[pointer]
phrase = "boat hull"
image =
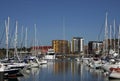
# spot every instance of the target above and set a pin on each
(114, 75)
(106, 67)
(49, 57)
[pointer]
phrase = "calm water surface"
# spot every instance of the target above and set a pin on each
(62, 71)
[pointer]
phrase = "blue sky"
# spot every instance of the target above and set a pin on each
(81, 18)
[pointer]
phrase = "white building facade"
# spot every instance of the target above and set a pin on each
(77, 45)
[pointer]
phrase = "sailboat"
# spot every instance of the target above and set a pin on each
(39, 60)
(7, 70)
(33, 60)
(112, 65)
(16, 61)
(6, 67)
(115, 71)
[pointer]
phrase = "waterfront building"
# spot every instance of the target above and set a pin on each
(77, 45)
(60, 46)
(95, 47)
(40, 49)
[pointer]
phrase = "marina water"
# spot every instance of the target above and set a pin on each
(60, 70)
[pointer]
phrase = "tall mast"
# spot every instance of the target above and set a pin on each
(16, 33)
(15, 40)
(21, 38)
(106, 33)
(64, 47)
(7, 33)
(119, 40)
(26, 40)
(110, 36)
(63, 29)
(35, 38)
(114, 36)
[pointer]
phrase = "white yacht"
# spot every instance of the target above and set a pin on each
(32, 61)
(50, 54)
(7, 70)
(42, 61)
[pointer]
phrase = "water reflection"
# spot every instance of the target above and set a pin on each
(114, 80)
(1, 76)
(31, 74)
(61, 71)
(88, 74)
(12, 79)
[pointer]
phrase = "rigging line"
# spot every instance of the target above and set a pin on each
(117, 30)
(99, 35)
(0, 29)
(3, 35)
(22, 42)
(112, 32)
(22, 39)
(11, 36)
(64, 28)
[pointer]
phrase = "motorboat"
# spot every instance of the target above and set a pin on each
(95, 63)
(7, 70)
(50, 55)
(111, 64)
(42, 61)
(115, 73)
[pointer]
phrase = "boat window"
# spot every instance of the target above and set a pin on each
(51, 53)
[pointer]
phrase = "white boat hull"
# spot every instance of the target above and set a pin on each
(106, 67)
(43, 62)
(6, 70)
(49, 57)
(115, 75)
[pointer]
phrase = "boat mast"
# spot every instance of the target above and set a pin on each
(118, 40)
(35, 38)
(110, 36)
(63, 29)
(64, 47)
(26, 40)
(21, 40)
(106, 34)
(7, 33)
(114, 36)
(15, 40)
(15, 44)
